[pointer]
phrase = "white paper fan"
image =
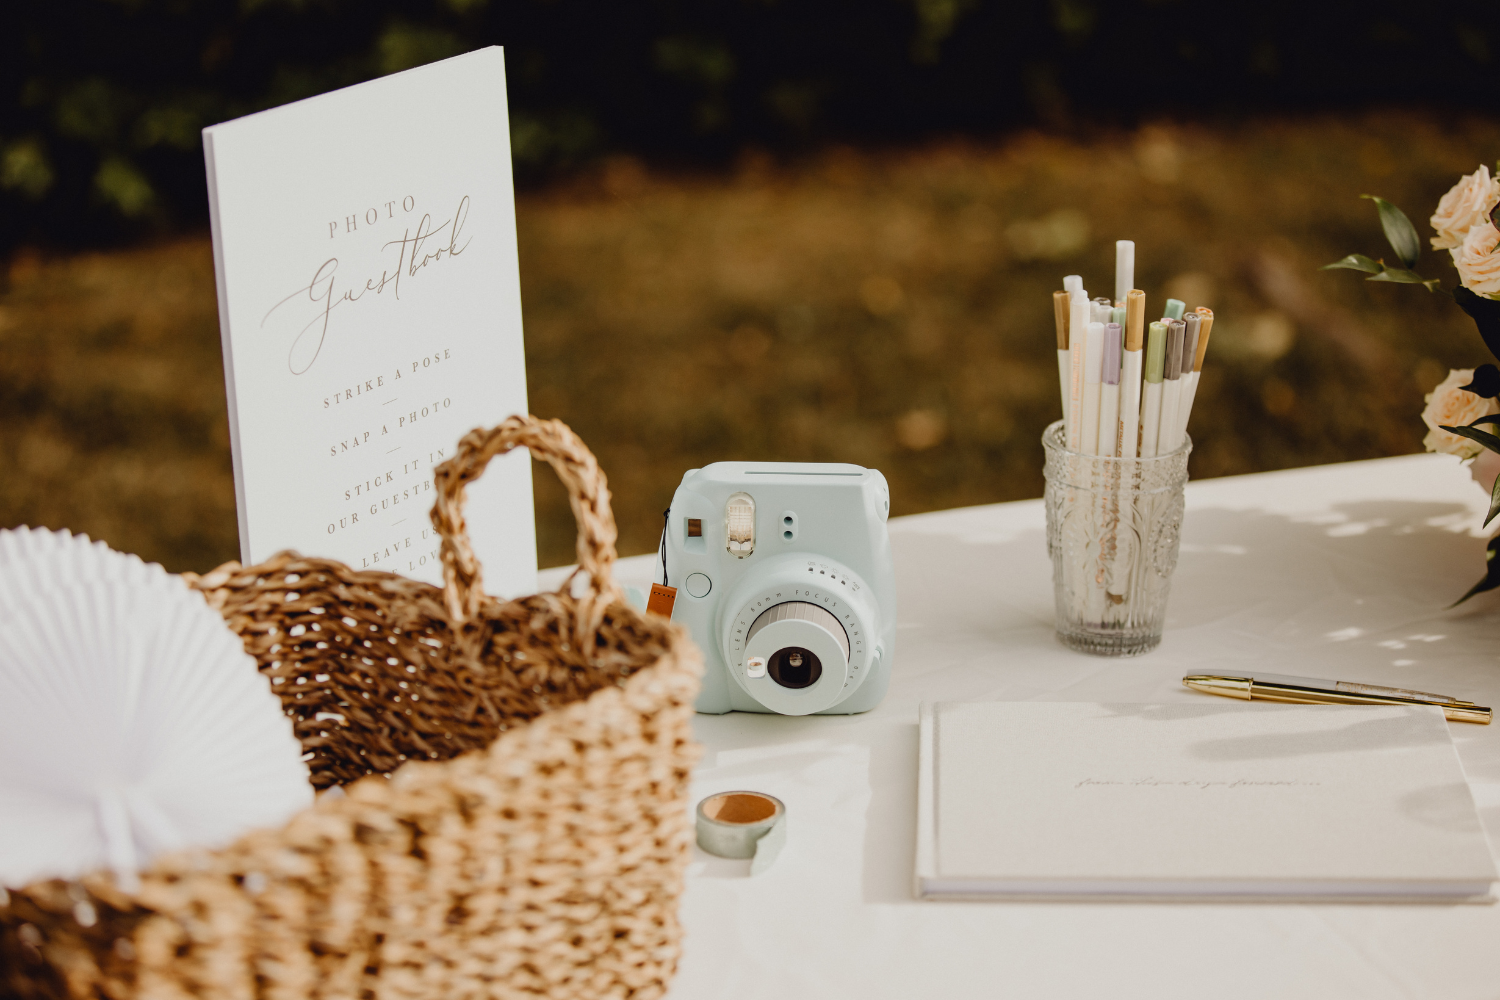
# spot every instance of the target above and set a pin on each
(35, 561)
(131, 719)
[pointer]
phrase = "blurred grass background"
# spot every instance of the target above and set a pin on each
(884, 305)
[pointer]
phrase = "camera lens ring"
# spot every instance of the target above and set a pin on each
(847, 652)
(802, 611)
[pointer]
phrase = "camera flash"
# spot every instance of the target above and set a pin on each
(739, 524)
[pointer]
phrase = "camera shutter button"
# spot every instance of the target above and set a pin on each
(698, 584)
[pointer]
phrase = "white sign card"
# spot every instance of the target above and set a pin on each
(370, 308)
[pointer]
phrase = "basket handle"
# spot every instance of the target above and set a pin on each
(553, 442)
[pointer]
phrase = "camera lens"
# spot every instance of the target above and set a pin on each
(794, 667)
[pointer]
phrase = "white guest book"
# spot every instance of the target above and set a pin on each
(1032, 800)
(370, 307)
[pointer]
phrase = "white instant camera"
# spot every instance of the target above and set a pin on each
(784, 578)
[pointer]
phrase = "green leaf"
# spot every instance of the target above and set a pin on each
(1398, 230)
(1491, 573)
(1490, 441)
(1355, 262)
(1486, 385)
(1402, 276)
(1478, 588)
(1494, 503)
(1485, 313)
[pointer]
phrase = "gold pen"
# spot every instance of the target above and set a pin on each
(1315, 691)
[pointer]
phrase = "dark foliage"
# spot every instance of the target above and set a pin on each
(1486, 315)
(1486, 383)
(99, 128)
(1491, 578)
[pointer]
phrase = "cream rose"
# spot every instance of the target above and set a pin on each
(1468, 204)
(1477, 261)
(1448, 404)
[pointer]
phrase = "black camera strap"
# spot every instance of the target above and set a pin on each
(665, 520)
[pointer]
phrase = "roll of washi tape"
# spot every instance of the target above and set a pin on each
(743, 825)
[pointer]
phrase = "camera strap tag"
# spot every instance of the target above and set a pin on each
(661, 601)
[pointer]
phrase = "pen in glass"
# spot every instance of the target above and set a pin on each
(1130, 373)
(1317, 691)
(1156, 349)
(1078, 324)
(1205, 324)
(1109, 393)
(1093, 370)
(1060, 312)
(1189, 352)
(1190, 391)
(1116, 316)
(1124, 269)
(1171, 389)
(1174, 309)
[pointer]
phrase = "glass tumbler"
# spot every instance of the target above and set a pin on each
(1113, 527)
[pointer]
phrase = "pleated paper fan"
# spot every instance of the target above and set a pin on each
(36, 560)
(132, 721)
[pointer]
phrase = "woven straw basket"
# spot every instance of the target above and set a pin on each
(515, 818)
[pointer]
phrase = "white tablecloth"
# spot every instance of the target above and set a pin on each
(1340, 571)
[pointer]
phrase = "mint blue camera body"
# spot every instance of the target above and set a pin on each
(784, 577)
